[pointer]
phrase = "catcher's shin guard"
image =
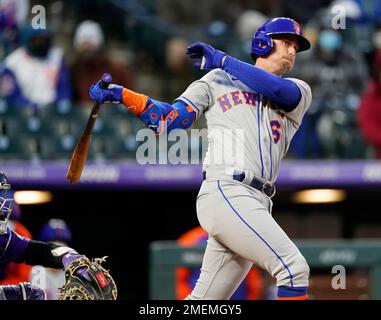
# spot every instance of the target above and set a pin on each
(22, 291)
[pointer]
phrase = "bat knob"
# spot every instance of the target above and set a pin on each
(106, 80)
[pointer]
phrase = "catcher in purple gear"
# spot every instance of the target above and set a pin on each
(85, 279)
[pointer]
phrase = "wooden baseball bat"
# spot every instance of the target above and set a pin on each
(79, 156)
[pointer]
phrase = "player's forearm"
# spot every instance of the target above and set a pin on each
(42, 253)
(133, 101)
(282, 91)
(157, 115)
(19, 249)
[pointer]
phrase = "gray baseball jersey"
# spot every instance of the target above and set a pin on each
(252, 136)
(260, 133)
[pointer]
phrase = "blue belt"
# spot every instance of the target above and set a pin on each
(266, 187)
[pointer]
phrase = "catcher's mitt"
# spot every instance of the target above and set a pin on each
(88, 280)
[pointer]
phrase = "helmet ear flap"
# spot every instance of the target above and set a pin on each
(261, 45)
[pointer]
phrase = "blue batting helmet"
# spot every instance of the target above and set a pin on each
(55, 230)
(262, 42)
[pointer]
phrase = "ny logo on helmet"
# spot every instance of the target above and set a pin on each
(297, 28)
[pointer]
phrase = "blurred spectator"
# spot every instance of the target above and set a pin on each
(14, 273)
(189, 16)
(250, 289)
(91, 60)
(209, 21)
(12, 16)
(96, 10)
(302, 11)
(49, 279)
(377, 37)
(177, 61)
(337, 74)
(35, 74)
(369, 113)
(247, 23)
(178, 67)
(362, 17)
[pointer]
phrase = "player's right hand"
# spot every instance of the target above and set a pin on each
(112, 94)
(211, 58)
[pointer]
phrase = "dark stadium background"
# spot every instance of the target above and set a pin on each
(121, 224)
(150, 37)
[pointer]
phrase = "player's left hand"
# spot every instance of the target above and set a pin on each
(112, 94)
(210, 57)
(86, 280)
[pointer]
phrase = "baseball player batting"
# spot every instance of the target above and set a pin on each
(234, 203)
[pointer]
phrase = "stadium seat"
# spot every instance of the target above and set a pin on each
(9, 111)
(121, 148)
(21, 148)
(97, 150)
(104, 127)
(114, 110)
(63, 109)
(32, 126)
(57, 147)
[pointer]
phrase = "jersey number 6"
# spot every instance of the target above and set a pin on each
(275, 127)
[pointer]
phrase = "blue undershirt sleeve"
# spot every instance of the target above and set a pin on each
(282, 91)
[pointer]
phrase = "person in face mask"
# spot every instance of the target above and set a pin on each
(38, 43)
(338, 74)
(91, 60)
(329, 43)
(36, 73)
(369, 112)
